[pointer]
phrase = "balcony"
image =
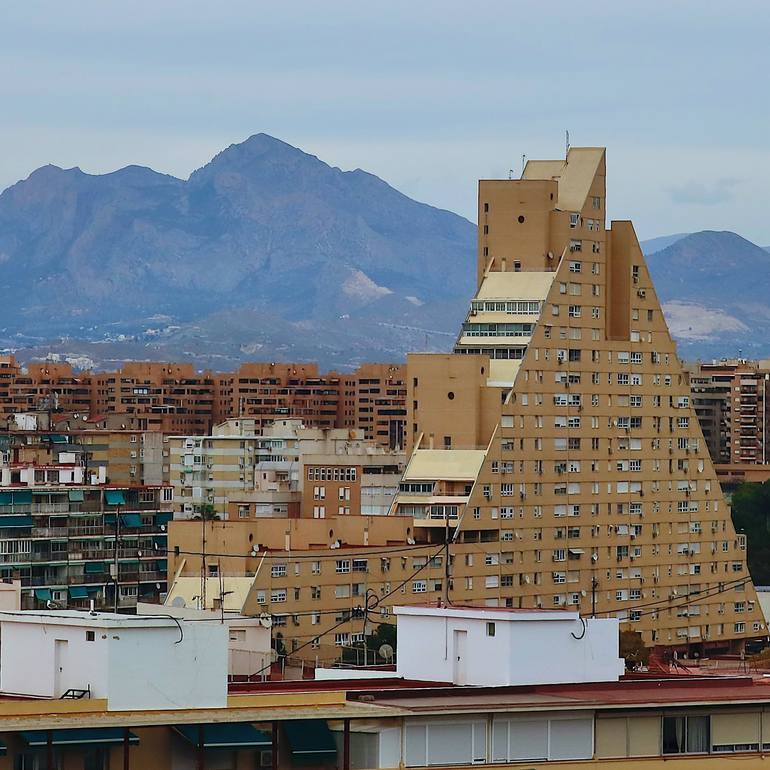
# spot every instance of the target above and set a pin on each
(49, 532)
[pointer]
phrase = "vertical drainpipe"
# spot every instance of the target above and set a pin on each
(126, 763)
(49, 751)
(346, 745)
(274, 761)
(201, 752)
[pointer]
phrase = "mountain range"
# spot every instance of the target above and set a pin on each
(264, 252)
(268, 253)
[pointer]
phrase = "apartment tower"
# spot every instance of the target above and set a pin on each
(596, 482)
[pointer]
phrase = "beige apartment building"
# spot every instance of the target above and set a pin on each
(286, 470)
(556, 448)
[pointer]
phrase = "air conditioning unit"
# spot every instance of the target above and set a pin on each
(641, 293)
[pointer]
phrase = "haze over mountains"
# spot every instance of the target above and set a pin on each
(268, 253)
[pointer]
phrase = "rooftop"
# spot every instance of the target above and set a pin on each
(513, 285)
(573, 175)
(444, 464)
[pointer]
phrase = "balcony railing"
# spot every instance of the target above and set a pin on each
(48, 532)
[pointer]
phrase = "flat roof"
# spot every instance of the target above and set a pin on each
(188, 588)
(509, 285)
(86, 618)
(486, 613)
(444, 464)
(650, 692)
(403, 697)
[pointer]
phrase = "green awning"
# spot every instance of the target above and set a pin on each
(78, 592)
(311, 742)
(131, 520)
(114, 497)
(163, 517)
(6, 498)
(77, 496)
(235, 735)
(58, 438)
(3, 749)
(84, 736)
(95, 567)
(20, 520)
(43, 594)
(22, 498)
(162, 565)
(110, 519)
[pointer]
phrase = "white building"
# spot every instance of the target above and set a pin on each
(498, 647)
(249, 638)
(133, 662)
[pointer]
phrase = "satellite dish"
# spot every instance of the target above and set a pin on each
(178, 601)
(265, 620)
(386, 651)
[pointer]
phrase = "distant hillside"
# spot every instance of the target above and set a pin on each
(265, 252)
(661, 242)
(715, 287)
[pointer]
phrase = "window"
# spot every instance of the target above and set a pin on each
(523, 739)
(686, 734)
(574, 311)
(490, 629)
(278, 570)
(342, 566)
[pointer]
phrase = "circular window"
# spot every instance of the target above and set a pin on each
(521, 219)
(450, 395)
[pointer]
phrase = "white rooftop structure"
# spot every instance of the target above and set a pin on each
(491, 646)
(134, 662)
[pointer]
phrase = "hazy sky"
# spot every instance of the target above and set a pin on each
(428, 94)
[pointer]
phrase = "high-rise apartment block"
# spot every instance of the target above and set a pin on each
(175, 398)
(557, 460)
(730, 399)
(597, 482)
(69, 536)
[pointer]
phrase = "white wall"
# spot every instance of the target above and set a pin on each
(27, 660)
(529, 648)
(133, 666)
(147, 670)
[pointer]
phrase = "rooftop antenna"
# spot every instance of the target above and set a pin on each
(523, 164)
(566, 148)
(511, 172)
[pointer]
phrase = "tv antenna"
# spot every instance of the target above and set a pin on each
(566, 145)
(523, 164)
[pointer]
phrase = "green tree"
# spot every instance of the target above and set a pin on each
(207, 512)
(384, 633)
(751, 516)
(632, 649)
